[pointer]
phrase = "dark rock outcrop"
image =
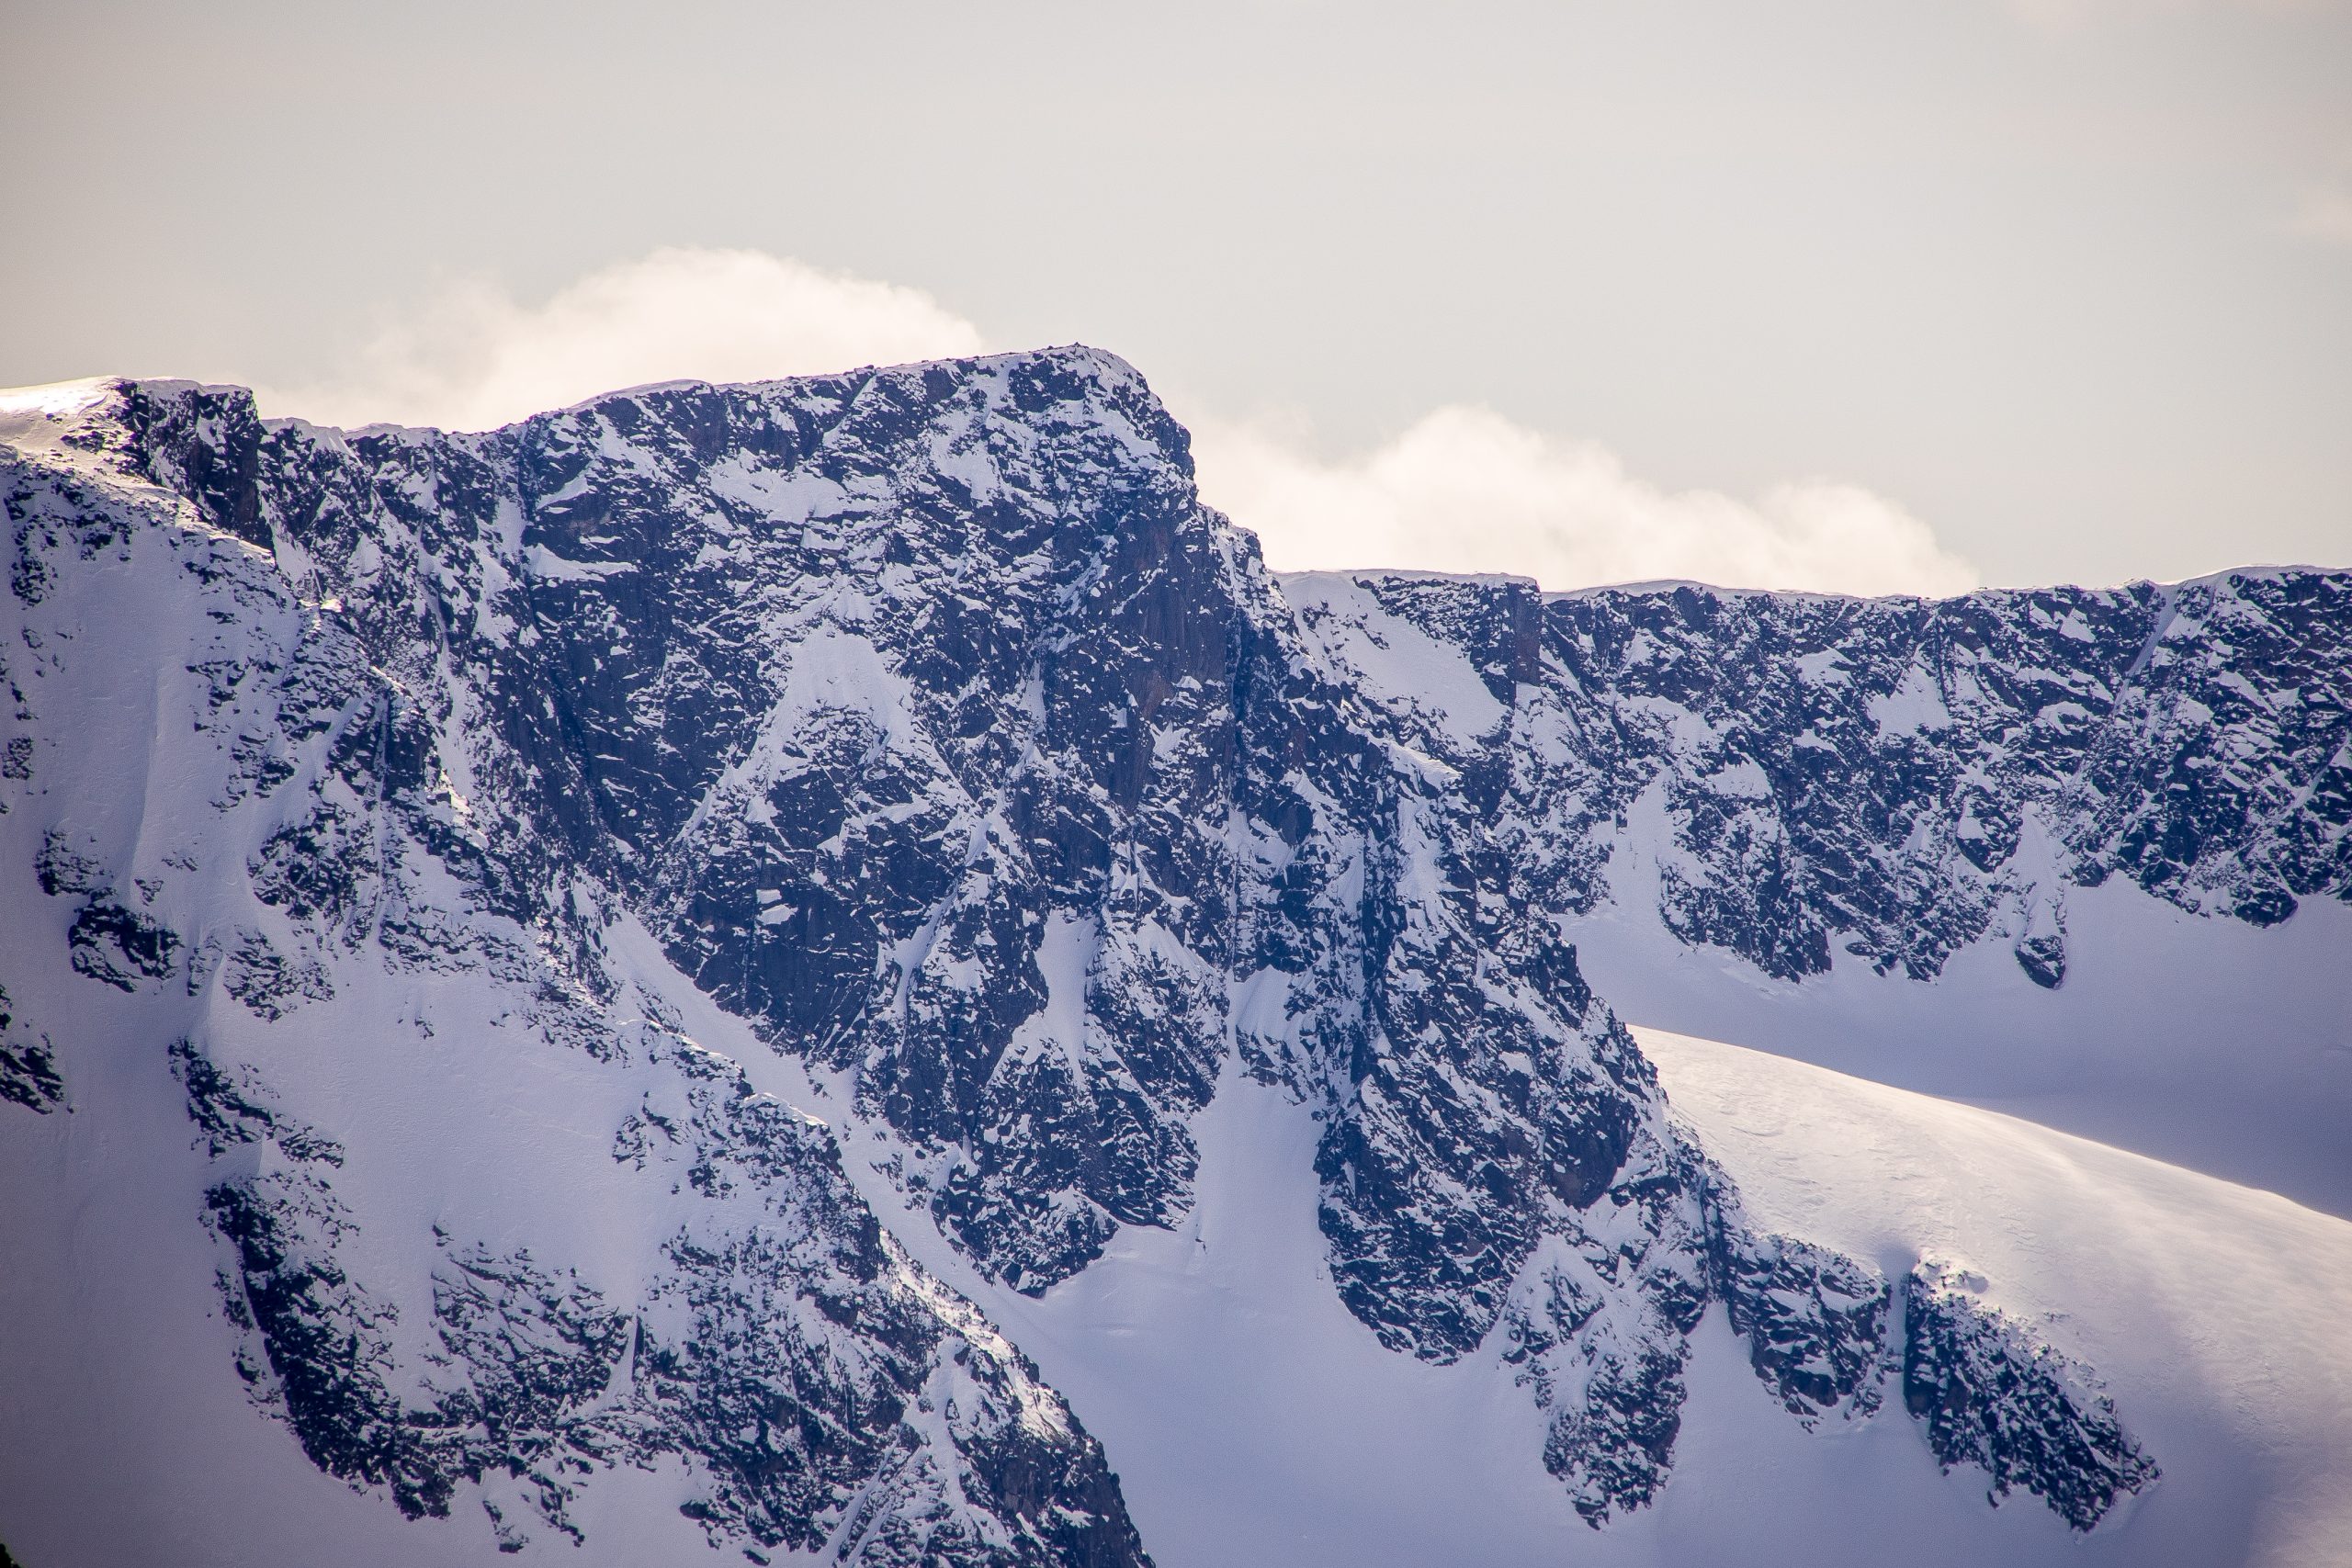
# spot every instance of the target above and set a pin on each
(928, 723)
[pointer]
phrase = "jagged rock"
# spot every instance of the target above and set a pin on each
(1991, 1395)
(926, 720)
(1895, 777)
(1816, 1322)
(268, 982)
(28, 1075)
(782, 1348)
(120, 946)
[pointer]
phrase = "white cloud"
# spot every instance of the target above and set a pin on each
(473, 357)
(1463, 490)
(1467, 489)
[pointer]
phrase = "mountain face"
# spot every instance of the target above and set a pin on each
(488, 841)
(1893, 778)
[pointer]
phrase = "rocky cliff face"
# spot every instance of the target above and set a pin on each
(1894, 779)
(923, 721)
(351, 821)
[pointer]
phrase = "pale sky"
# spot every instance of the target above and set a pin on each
(1869, 296)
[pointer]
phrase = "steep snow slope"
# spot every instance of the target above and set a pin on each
(2213, 1044)
(1253, 1422)
(2214, 1312)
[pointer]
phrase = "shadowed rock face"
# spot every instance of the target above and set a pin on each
(1992, 1397)
(28, 1066)
(1898, 778)
(930, 724)
(393, 776)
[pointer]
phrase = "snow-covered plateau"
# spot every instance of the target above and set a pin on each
(831, 970)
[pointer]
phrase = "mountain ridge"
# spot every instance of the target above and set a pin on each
(925, 719)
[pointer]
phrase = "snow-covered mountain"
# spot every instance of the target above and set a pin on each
(2039, 849)
(746, 969)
